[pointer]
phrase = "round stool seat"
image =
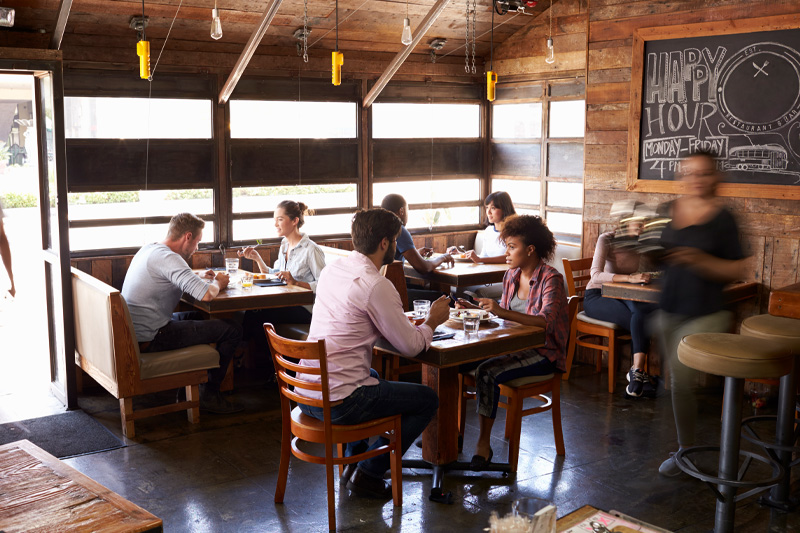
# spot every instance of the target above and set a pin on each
(777, 328)
(736, 356)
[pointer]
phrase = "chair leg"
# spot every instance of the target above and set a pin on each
(556, 412)
(396, 463)
(570, 349)
(612, 350)
(193, 395)
(126, 412)
(340, 453)
(286, 451)
(395, 374)
(598, 366)
(462, 407)
(514, 415)
(329, 480)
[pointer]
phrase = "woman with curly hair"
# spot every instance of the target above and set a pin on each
(534, 295)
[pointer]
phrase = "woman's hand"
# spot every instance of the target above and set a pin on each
(489, 304)
(249, 253)
(287, 277)
(473, 256)
(639, 277)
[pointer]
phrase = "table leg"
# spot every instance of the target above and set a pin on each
(440, 438)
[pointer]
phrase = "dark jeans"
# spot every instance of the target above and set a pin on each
(624, 313)
(416, 403)
(188, 329)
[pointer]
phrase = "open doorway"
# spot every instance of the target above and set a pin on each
(24, 334)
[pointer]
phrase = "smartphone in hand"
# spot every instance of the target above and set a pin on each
(467, 304)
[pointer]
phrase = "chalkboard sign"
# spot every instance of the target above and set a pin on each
(737, 95)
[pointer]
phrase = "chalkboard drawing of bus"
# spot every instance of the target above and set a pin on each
(762, 157)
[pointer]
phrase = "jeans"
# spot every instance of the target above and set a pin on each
(415, 403)
(501, 369)
(187, 329)
(682, 378)
(624, 313)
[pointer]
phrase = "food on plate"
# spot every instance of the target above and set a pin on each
(259, 276)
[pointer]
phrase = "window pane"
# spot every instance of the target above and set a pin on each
(564, 194)
(448, 216)
(125, 236)
(528, 212)
(421, 192)
(264, 228)
(256, 199)
(567, 119)
(132, 204)
(517, 121)
(564, 223)
(521, 191)
(136, 118)
(409, 121)
(565, 160)
(253, 119)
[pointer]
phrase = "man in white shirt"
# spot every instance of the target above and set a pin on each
(355, 306)
(157, 278)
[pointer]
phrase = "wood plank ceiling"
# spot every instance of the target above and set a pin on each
(371, 28)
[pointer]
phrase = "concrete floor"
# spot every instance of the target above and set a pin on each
(220, 475)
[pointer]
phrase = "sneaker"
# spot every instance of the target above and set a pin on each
(215, 403)
(669, 467)
(636, 380)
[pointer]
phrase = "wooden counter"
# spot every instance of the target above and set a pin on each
(785, 301)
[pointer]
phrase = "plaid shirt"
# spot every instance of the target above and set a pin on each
(548, 300)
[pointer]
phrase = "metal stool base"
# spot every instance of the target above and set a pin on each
(750, 435)
(756, 486)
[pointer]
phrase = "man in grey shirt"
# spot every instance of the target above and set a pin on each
(157, 277)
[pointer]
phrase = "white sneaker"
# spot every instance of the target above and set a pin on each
(669, 468)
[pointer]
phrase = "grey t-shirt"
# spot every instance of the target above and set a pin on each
(153, 287)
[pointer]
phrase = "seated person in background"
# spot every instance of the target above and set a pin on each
(355, 306)
(406, 250)
(159, 274)
(498, 207)
(300, 261)
(533, 294)
(614, 261)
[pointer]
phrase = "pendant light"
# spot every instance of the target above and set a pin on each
(143, 49)
(216, 24)
(406, 38)
(337, 58)
(550, 57)
(491, 75)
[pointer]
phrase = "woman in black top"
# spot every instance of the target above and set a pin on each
(702, 255)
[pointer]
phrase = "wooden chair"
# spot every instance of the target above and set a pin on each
(390, 367)
(297, 426)
(584, 329)
(515, 392)
(106, 349)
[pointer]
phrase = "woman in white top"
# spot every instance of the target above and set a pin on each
(498, 207)
(299, 262)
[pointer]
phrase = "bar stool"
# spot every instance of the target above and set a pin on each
(735, 357)
(785, 331)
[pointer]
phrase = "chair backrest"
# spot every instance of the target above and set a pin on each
(576, 272)
(572, 303)
(394, 273)
(478, 246)
(283, 351)
(105, 343)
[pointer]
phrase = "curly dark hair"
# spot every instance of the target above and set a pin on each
(533, 231)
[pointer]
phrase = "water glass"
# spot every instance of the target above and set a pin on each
(247, 281)
(421, 308)
(472, 322)
(232, 266)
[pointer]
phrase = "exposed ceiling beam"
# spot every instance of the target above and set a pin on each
(61, 24)
(249, 50)
(401, 56)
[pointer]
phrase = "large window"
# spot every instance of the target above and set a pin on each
(306, 151)
(537, 152)
(429, 152)
(133, 162)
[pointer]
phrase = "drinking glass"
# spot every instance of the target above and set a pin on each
(421, 308)
(232, 265)
(472, 322)
(247, 281)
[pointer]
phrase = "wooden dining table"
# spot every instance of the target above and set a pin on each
(650, 292)
(440, 372)
(234, 298)
(461, 274)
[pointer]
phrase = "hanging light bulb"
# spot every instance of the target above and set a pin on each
(550, 58)
(216, 24)
(406, 32)
(406, 38)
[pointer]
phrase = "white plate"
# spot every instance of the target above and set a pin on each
(458, 259)
(485, 315)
